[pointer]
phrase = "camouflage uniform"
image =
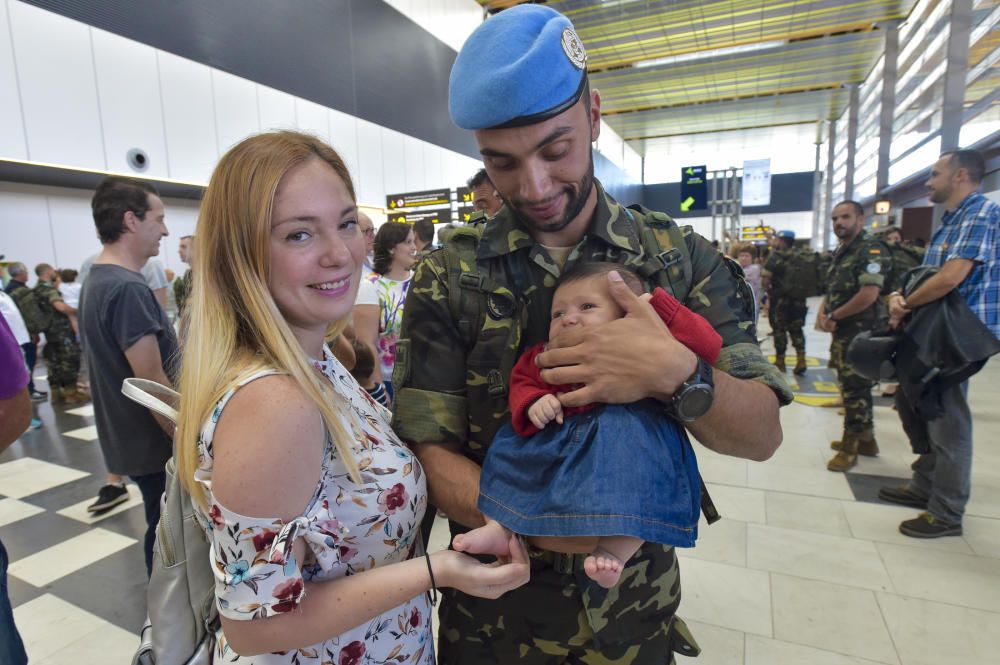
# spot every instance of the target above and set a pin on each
(904, 258)
(787, 314)
(453, 395)
(182, 290)
(864, 261)
(62, 351)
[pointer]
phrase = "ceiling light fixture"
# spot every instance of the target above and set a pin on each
(713, 53)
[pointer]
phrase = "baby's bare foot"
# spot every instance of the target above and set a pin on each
(603, 568)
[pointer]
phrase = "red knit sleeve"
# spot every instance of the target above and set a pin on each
(690, 329)
(526, 386)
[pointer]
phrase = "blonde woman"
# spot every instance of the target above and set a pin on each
(311, 502)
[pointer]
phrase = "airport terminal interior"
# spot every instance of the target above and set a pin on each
(747, 120)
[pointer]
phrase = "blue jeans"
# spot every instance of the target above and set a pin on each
(943, 475)
(151, 486)
(11, 647)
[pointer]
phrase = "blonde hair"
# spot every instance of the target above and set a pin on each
(236, 328)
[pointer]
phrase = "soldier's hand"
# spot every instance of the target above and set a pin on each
(618, 362)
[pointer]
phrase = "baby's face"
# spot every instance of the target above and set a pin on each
(583, 303)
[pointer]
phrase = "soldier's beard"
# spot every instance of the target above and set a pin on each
(577, 196)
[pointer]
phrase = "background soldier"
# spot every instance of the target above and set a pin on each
(787, 312)
(62, 351)
(534, 121)
(182, 286)
(904, 258)
(852, 305)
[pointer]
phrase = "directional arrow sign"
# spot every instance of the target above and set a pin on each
(694, 188)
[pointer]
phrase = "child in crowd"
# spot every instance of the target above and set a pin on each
(69, 289)
(364, 372)
(622, 472)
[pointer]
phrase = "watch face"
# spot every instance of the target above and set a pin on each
(696, 402)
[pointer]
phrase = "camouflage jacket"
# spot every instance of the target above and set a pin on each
(446, 393)
(48, 295)
(904, 258)
(182, 290)
(864, 261)
(774, 269)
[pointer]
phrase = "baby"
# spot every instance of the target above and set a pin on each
(622, 472)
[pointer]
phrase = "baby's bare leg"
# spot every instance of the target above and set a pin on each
(605, 565)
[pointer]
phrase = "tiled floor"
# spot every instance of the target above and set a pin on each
(805, 568)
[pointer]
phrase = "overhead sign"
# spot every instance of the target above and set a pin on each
(436, 215)
(430, 197)
(694, 188)
(754, 233)
(756, 182)
(465, 213)
(883, 206)
(465, 195)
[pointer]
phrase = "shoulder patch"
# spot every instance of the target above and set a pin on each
(874, 250)
(873, 268)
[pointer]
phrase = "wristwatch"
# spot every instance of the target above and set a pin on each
(694, 397)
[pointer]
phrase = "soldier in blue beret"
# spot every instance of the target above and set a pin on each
(520, 84)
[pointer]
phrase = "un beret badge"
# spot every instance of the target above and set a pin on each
(573, 48)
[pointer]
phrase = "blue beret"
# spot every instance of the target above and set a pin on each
(787, 234)
(523, 65)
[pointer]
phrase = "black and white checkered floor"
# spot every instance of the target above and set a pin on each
(77, 582)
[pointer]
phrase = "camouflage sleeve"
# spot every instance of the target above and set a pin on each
(772, 266)
(877, 264)
(721, 294)
(429, 375)
(51, 294)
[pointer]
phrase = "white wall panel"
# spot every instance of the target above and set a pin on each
(55, 69)
(413, 163)
(276, 109)
(393, 161)
(181, 219)
(433, 158)
(12, 140)
(24, 225)
(312, 118)
(236, 114)
(369, 183)
(189, 116)
(344, 139)
(129, 96)
(73, 234)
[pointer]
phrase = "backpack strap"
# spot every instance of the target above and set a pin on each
(466, 286)
(665, 249)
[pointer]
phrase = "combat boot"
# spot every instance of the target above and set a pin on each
(867, 445)
(74, 396)
(800, 363)
(779, 362)
(838, 444)
(56, 395)
(848, 455)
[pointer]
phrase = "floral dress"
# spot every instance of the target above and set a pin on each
(348, 528)
(391, 296)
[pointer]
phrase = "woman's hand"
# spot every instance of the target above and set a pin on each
(484, 580)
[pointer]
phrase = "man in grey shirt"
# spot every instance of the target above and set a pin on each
(126, 334)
